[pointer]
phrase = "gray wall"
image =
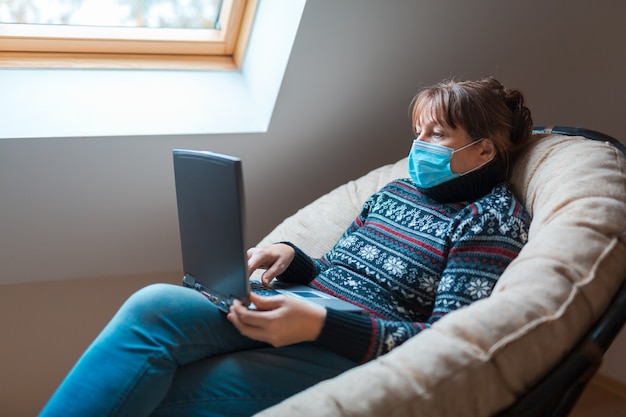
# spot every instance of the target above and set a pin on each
(87, 208)
(80, 207)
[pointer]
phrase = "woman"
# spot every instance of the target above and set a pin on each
(420, 248)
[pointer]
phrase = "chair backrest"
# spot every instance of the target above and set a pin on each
(580, 131)
(481, 359)
(557, 393)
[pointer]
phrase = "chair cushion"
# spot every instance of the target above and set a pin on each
(479, 359)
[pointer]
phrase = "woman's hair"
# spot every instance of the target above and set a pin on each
(484, 108)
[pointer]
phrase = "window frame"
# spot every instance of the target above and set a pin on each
(55, 46)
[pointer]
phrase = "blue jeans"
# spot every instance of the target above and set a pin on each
(168, 351)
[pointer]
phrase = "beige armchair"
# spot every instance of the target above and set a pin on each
(481, 359)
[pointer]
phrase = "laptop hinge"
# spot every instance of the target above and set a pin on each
(190, 281)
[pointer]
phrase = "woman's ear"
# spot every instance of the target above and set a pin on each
(487, 150)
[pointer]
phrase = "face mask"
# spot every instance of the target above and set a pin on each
(429, 164)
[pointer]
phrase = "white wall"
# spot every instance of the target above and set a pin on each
(104, 206)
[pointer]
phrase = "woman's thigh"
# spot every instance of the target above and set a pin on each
(130, 366)
(243, 383)
(177, 322)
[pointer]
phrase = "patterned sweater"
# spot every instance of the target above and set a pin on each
(409, 260)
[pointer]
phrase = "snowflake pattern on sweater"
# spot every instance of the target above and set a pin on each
(409, 260)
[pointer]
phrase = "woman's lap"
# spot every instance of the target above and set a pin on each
(242, 383)
(168, 345)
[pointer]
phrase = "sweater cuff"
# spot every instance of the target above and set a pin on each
(347, 334)
(301, 270)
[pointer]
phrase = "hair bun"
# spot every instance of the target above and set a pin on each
(521, 120)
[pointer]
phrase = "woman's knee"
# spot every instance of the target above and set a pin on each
(156, 301)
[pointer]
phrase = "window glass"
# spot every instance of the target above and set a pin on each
(150, 34)
(182, 14)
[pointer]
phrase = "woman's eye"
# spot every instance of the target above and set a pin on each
(437, 135)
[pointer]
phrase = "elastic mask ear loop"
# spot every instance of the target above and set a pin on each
(468, 145)
(479, 166)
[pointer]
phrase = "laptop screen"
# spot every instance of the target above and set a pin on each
(210, 200)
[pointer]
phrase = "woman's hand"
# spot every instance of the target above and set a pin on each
(279, 320)
(274, 259)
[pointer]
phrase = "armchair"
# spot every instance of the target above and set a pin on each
(528, 349)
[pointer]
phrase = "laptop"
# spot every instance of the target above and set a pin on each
(211, 218)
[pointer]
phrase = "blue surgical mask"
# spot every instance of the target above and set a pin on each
(429, 164)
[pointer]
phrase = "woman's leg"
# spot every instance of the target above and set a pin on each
(129, 368)
(243, 383)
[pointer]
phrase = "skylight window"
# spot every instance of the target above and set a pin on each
(182, 14)
(130, 31)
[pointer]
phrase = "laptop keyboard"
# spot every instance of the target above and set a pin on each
(258, 288)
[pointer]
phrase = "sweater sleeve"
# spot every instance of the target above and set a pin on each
(303, 269)
(481, 247)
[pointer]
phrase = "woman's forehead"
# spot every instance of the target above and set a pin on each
(431, 119)
(430, 111)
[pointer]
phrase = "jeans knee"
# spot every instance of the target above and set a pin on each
(150, 304)
(151, 293)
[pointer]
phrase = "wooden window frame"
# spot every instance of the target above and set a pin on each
(53, 46)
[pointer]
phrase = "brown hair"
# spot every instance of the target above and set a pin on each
(484, 108)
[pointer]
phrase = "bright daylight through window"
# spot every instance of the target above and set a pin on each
(127, 33)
